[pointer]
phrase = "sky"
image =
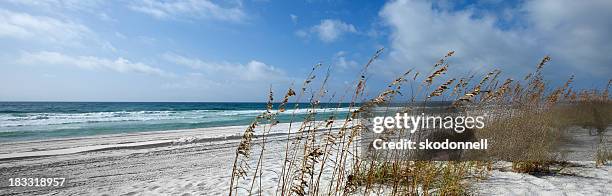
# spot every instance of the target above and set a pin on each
(234, 51)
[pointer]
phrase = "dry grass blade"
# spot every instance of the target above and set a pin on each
(543, 62)
(289, 93)
(441, 88)
(436, 73)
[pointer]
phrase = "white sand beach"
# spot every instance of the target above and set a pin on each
(181, 162)
(199, 162)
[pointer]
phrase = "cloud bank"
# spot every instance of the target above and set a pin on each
(120, 65)
(574, 33)
(190, 9)
(252, 71)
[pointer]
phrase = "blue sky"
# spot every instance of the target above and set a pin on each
(202, 50)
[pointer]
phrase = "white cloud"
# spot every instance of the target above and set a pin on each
(120, 65)
(301, 33)
(577, 32)
(26, 26)
(294, 18)
(190, 9)
(252, 71)
(574, 33)
(105, 17)
(120, 35)
(256, 70)
(88, 5)
(47, 30)
(60, 7)
(223, 81)
(342, 61)
(421, 35)
(329, 30)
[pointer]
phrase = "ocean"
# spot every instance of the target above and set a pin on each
(20, 121)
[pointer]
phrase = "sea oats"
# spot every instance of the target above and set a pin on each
(437, 73)
(441, 88)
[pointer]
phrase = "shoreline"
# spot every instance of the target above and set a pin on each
(148, 139)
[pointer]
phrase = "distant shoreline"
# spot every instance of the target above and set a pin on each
(23, 121)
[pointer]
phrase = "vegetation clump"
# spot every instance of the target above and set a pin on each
(526, 122)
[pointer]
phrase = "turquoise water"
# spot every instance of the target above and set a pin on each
(44, 120)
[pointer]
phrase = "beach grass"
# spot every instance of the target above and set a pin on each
(526, 122)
